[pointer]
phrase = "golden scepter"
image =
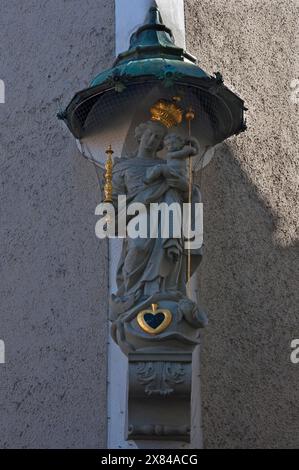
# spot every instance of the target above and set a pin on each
(108, 175)
(189, 117)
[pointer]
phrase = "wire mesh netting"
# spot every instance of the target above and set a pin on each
(99, 112)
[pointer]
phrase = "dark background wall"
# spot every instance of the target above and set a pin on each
(53, 276)
(249, 277)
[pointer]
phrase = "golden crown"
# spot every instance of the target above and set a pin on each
(167, 112)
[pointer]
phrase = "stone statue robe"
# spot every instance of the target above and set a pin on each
(145, 267)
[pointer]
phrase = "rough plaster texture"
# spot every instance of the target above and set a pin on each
(53, 283)
(53, 272)
(249, 276)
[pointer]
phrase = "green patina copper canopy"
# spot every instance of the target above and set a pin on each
(153, 61)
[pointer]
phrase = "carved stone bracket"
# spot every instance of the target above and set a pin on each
(159, 395)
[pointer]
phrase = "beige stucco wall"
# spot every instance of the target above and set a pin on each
(53, 270)
(249, 386)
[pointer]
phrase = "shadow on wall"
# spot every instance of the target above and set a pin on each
(248, 287)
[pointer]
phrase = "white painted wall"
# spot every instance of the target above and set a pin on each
(129, 15)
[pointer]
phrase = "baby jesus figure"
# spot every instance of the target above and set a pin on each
(178, 150)
(174, 172)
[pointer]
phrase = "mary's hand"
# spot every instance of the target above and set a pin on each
(152, 174)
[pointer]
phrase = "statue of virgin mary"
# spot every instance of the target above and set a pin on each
(151, 269)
